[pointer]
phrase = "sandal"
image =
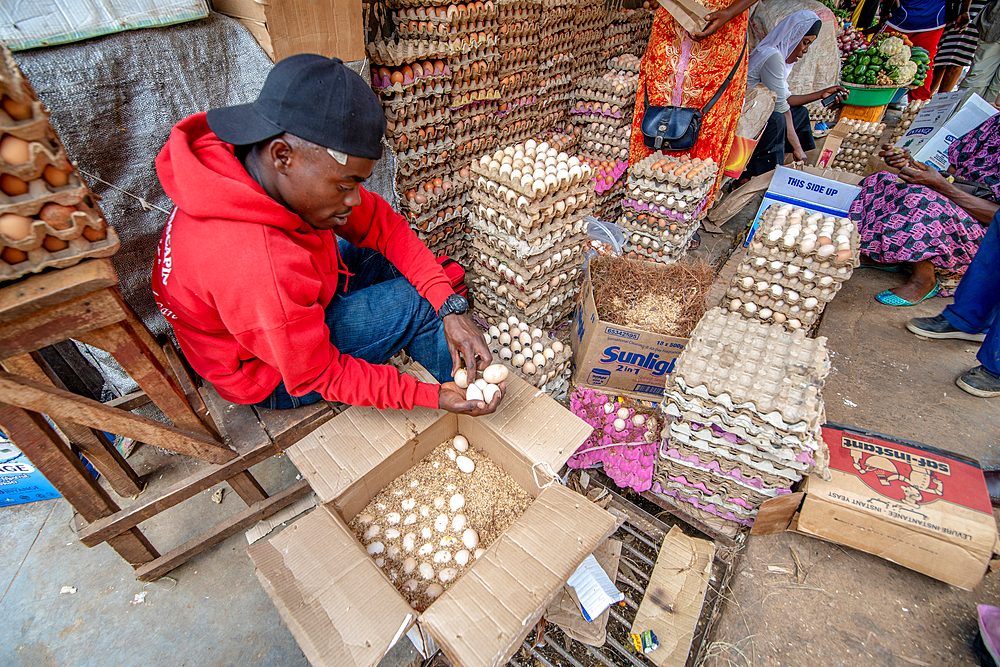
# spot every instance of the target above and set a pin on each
(889, 299)
(695, 242)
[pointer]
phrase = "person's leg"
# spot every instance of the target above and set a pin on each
(378, 321)
(368, 267)
(977, 298)
(985, 70)
(803, 128)
(921, 282)
(770, 150)
(952, 74)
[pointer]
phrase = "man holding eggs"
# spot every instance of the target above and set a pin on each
(285, 281)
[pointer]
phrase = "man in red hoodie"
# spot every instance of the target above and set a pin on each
(285, 281)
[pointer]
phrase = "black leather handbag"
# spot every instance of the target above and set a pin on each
(677, 128)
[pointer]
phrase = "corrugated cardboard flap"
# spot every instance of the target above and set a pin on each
(544, 430)
(481, 620)
(353, 443)
(337, 604)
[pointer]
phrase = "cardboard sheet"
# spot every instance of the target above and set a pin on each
(675, 595)
(565, 612)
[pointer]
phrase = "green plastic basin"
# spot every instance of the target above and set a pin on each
(869, 96)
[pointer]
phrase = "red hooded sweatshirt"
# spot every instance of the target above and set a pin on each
(244, 281)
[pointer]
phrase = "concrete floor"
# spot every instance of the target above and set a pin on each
(852, 609)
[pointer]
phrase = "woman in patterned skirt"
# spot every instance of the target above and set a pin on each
(686, 70)
(955, 52)
(921, 220)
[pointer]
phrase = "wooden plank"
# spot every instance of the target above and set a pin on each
(126, 346)
(70, 319)
(58, 404)
(105, 528)
(292, 425)
(130, 402)
(238, 423)
(64, 470)
(40, 291)
(187, 384)
(247, 488)
(95, 445)
(154, 570)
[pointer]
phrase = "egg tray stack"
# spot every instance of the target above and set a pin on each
(821, 114)
(625, 440)
(48, 216)
(743, 410)
(795, 265)
(430, 524)
(664, 204)
(556, 66)
(517, 118)
(627, 32)
(858, 146)
(534, 355)
(906, 119)
(589, 19)
(529, 201)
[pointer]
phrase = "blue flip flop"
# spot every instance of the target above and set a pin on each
(887, 269)
(890, 299)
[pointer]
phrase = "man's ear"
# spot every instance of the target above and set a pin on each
(281, 154)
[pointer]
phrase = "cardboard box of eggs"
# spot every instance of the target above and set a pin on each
(48, 218)
(531, 353)
(347, 611)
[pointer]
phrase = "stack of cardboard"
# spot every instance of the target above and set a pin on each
(664, 204)
(529, 203)
(746, 413)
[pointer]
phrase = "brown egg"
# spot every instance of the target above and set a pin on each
(15, 227)
(396, 77)
(438, 67)
(383, 73)
(53, 244)
(823, 240)
(57, 216)
(94, 235)
(13, 256)
(843, 255)
(13, 150)
(16, 110)
(12, 185)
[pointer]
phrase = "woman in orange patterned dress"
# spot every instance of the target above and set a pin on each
(685, 70)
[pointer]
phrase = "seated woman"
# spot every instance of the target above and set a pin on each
(788, 129)
(921, 219)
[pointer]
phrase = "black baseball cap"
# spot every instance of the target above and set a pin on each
(318, 99)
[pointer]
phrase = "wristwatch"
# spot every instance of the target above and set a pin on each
(454, 305)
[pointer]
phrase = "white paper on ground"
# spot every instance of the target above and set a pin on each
(594, 589)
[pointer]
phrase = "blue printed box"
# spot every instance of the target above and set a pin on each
(622, 360)
(20, 482)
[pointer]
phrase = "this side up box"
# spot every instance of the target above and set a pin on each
(920, 507)
(339, 605)
(627, 361)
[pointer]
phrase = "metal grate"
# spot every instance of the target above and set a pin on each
(641, 537)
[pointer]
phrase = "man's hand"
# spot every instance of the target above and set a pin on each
(921, 174)
(840, 91)
(465, 341)
(451, 397)
(897, 158)
(962, 22)
(715, 22)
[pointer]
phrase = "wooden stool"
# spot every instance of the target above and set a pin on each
(83, 303)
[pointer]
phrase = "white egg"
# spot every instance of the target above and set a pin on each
(622, 413)
(474, 393)
(442, 556)
(495, 373)
(375, 548)
(434, 591)
(491, 391)
(409, 565)
(372, 532)
(457, 502)
(470, 538)
(439, 502)
(619, 425)
(447, 574)
(441, 523)
(639, 420)
(462, 378)
(460, 443)
(462, 557)
(393, 518)
(410, 519)
(391, 533)
(426, 550)
(425, 533)
(465, 464)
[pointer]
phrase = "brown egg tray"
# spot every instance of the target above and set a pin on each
(518, 29)
(467, 44)
(517, 61)
(476, 127)
(519, 131)
(473, 109)
(399, 52)
(529, 14)
(407, 124)
(79, 249)
(471, 82)
(475, 147)
(527, 44)
(457, 191)
(436, 84)
(562, 31)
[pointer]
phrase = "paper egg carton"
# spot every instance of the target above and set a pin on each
(451, 213)
(532, 187)
(472, 109)
(520, 108)
(791, 275)
(648, 189)
(513, 29)
(513, 278)
(733, 483)
(480, 60)
(612, 141)
(511, 12)
(787, 231)
(518, 131)
(551, 314)
(755, 284)
(542, 232)
(41, 153)
(529, 259)
(654, 238)
(696, 493)
(654, 224)
(399, 52)
(397, 126)
(669, 204)
(529, 299)
(78, 249)
(477, 82)
(530, 213)
(528, 45)
(556, 88)
(470, 129)
(476, 26)
(421, 174)
(40, 192)
(682, 171)
(688, 439)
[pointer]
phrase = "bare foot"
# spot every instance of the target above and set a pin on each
(921, 283)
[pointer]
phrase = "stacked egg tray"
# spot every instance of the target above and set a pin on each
(743, 411)
(858, 146)
(589, 19)
(909, 114)
(537, 357)
(48, 216)
(529, 201)
(430, 524)
(627, 32)
(663, 205)
(556, 65)
(821, 114)
(624, 442)
(795, 265)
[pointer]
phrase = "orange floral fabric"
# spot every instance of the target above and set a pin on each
(683, 72)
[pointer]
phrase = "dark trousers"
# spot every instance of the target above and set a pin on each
(773, 144)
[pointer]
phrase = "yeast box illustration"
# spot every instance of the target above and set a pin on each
(921, 507)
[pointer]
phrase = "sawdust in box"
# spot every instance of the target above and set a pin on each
(343, 609)
(663, 299)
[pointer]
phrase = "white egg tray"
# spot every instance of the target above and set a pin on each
(679, 200)
(656, 240)
(489, 306)
(529, 226)
(787, 231)
(625, 64)
(683, 171)
(689, 441)
(519, 280)
(518, 209)
(396, 53)
(525, 257)
(519, 249)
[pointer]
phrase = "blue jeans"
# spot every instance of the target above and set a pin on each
(977, 299)
(375, 314)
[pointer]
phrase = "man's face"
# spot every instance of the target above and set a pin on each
(314, 185)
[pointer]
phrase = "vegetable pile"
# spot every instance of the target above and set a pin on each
(851, 40)
(889, 61)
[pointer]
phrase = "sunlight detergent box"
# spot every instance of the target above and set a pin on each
(344, 611)
(20, 481)
(920, 507)
(816, 190)
(619, 359)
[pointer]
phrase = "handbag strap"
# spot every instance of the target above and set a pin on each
(725, 84)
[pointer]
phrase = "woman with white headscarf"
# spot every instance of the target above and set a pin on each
(788, 129)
